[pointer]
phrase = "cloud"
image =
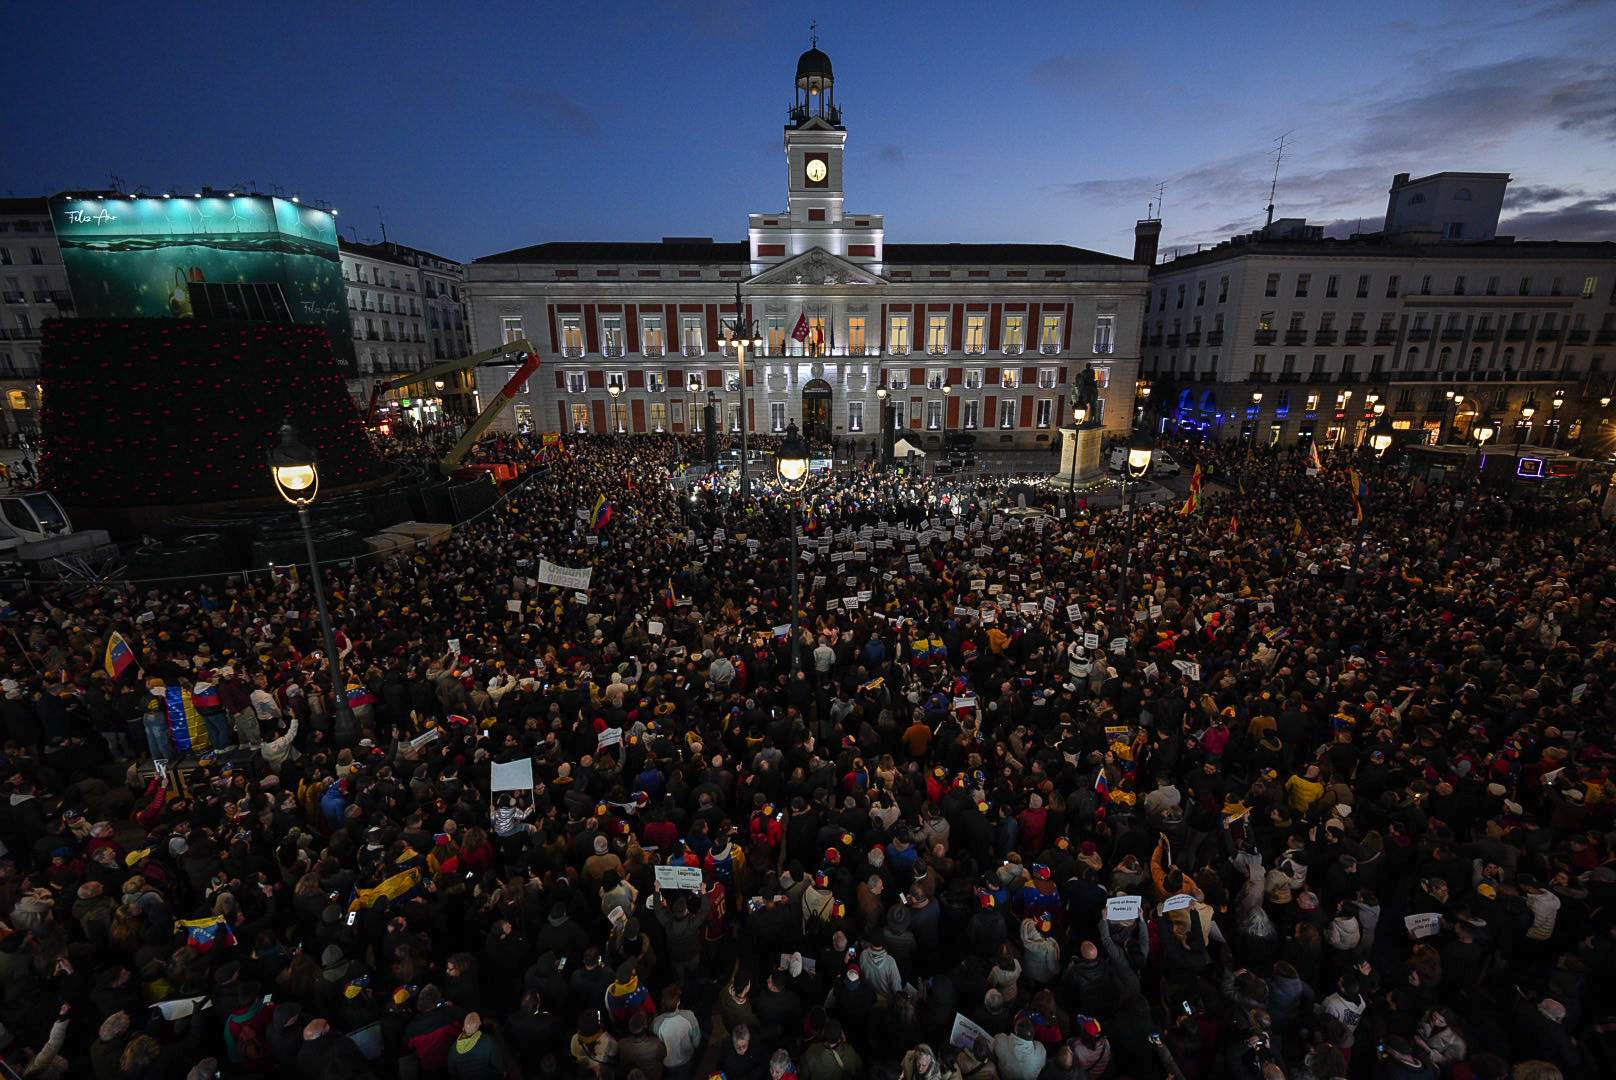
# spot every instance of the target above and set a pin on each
(892, 154)
(1521, 196)
(1585, 219)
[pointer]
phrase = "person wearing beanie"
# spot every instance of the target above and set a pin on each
(477, 1054)
(108, 1046)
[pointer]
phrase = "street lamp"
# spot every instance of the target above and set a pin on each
(791, 467)
(1381, 435)
(887, 433)
(1559, 400)
(741, 335)
(1080, 413)
(1141, 447)
(296, 472)
(616, 390)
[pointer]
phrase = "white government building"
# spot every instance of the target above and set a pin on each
(1282, 335)
(981, 338)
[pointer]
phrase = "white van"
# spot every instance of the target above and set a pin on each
(1161, 462)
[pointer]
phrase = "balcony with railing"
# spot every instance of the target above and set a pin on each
(1287, 377)
(1172, 341)
(1548, 333)
(1324, 337)
(1452, 334)
(1264, 337)
(1192, 339)
(14, 297)
(1154, 339)
(1355, 337)
(1259, 377)
(1419, 334)
(1484, 333)
(1214, 337)
(1296, 337)
(1209, 376)
(1385, 337)
(1515, 333)
(1576, 337)
(1605, 337)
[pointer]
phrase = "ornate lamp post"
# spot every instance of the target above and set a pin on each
(296, 472)
(741, 335)
(1141, 447)
(791, 467)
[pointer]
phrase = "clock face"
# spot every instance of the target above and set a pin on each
(815, 170)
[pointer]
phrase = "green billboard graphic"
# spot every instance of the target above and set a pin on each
(245, 256)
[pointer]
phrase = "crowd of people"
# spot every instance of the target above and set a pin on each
(1025, 790)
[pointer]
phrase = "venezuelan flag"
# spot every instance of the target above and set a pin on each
(397, 887)
(205, 696)
(186, 731)
(119, 656)
(204, 935)
(359, 696)
(600, 515)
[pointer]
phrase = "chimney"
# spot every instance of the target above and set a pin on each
(1146, 235)
(1399, 180)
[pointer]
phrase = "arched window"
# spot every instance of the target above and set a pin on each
(1443, 358)
(1413, 357)
(1209, 401)
(1540, 359)
(1186, 400)
(1509, 359)
(1475, 358)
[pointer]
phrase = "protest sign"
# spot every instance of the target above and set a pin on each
(966, 1032)
(566, 577)
(1122, 908)
(1177, 903)
(511, 775)
(678, 877)
(1423, 926)
(610, 737)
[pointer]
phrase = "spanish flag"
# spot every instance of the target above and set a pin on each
(1192, 504)
(601, 515)
(119, 656)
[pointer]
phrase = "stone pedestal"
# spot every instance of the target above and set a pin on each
(1084, 444)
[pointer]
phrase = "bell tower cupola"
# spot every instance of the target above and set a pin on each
(815, 141)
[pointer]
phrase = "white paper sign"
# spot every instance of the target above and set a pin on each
(978, 584)
(1177, 903)
(1123, 908)
(1049, 605)
(511, 775)
(1193, 670)
(965, 1033)
(610, 737)
(566, 577)
(514, 605)
(1091, 641)
(454, 645)
(1151, 671)
(424, 738)
(654, 628)
(1423, 926)
(1119, 645)
(678, 877)
(783, 630)
(1074, 612)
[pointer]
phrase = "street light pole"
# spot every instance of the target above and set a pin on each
(1080, 413)
(1141, 447)
(295, 470)
(1482, 431)
(791, 467)
(743, 334)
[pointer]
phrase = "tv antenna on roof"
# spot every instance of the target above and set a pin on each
(383, 222)
(1161, 197)
(1279, 155)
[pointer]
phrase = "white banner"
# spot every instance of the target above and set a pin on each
(566, 577)
(1122, 908)
(1423, 926)
(1177, 903)
(511, 775)
(966, 1032)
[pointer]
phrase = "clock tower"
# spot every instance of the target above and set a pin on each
(815, 142)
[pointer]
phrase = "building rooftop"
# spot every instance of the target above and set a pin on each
(36, 204)
(703, 251)
(1378, 245)
(391, 252)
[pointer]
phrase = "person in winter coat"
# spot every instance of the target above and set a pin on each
(921, 1063)
(831, 1056)
(1018, 1055)
(1040, 953)
(880, 970)
(475, 1054)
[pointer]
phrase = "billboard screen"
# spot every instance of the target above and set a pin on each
(166, 258)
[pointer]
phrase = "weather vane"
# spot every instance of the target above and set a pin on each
(813, 34)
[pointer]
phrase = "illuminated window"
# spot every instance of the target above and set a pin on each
(898, 335)
(690, 338)
(1047, 377)
(973, 378)
(937, 334)
(580, 418)
(652, 341)
(855, 416)
(656, 382)
(1104, 328)
(510, 326)
(1046, 410)
(659, 416)
(898, 380)
(777, 416)
(611, 335)
(855, 335)
(934, 378)
(1265, 321)
(1015, 333)
(1589, 284)
(699, 378)
(934, 415)
(1010, 378)
(616, 379)
(976, 333)
(18, 399)
(1051, 340)
(1102, 374)
(577, 382)
(572, 337)
(971, 413)
(1007, 413)
(775, 335)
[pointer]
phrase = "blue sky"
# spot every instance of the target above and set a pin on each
(482, 126)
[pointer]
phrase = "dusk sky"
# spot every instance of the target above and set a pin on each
(486, 126)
